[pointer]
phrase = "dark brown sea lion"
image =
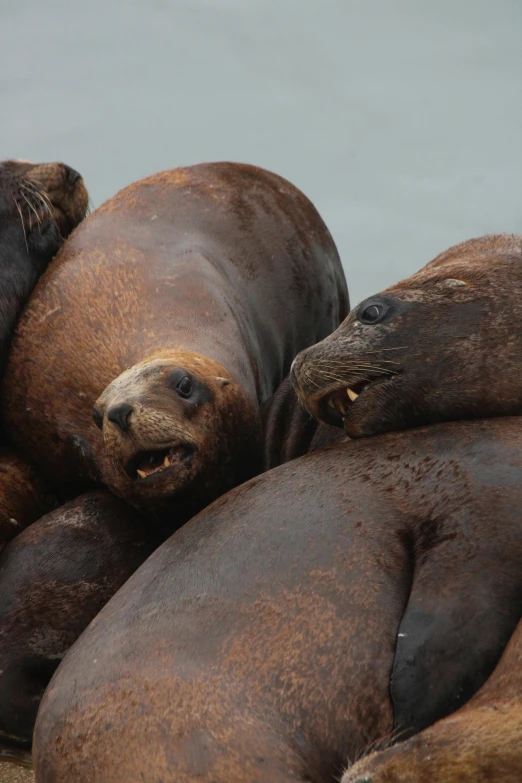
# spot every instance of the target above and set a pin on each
(175, 310)
(481, 743)
(54, 578)
(257, 643)
(40, 204)
(441, 345)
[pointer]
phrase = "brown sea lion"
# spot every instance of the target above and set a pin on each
(54, 578)
(441, 345)
(481, 743)
(40, 204)
(257, 643)
(175, 311)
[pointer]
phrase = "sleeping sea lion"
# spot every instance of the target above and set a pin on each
(40, 204)
(257, 644)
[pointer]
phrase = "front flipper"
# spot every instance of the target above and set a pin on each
(287, 428)
(465, 602)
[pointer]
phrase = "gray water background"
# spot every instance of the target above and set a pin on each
(400, 119)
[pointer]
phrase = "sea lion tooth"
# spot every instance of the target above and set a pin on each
(351, 394)
(141, 473)
(166, 462)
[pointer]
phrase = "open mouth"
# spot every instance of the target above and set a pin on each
(335, 405)
(152, 463)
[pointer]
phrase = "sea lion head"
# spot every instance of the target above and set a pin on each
(177, 425)
(40, 204)
(442, 345)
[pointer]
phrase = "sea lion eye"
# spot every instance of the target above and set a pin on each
(184, 387)
(371, 314)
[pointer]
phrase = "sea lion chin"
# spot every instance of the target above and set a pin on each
(439, 346)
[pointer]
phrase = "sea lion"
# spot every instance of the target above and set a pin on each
(174, 311)
(40, 204)
(54, 578)
(481, 743)
(257, 643)
(441, 345)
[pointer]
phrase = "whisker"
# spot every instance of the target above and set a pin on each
(32, 208)
(398, 348)
(345, 361)
(39, 194)
(34, 194)
(22, 220)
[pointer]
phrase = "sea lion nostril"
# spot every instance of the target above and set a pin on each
(119, 415)
(97, 415)
(72, 176)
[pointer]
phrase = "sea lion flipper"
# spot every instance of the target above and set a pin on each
(288, 428)
(449, 641)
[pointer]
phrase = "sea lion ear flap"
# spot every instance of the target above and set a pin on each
(452, 282)
(222, 381)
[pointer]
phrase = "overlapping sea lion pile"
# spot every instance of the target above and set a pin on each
(344, 611)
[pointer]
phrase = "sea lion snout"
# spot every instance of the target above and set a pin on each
(120, 414)
(166, 420)
(72, 175)
(336, 378)
(58, 192)
(148, 416)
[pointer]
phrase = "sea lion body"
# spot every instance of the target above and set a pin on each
(441, 345)
(480, 743)
(258, 643)
(54, 577)
(219, 273)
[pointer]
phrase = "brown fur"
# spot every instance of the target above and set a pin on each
(24, 498)
(257, 643)
(40, 204)
(481, 743)
(448, 347)
(222, 262)
(54, 577)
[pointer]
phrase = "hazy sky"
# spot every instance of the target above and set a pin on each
(402, 121)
